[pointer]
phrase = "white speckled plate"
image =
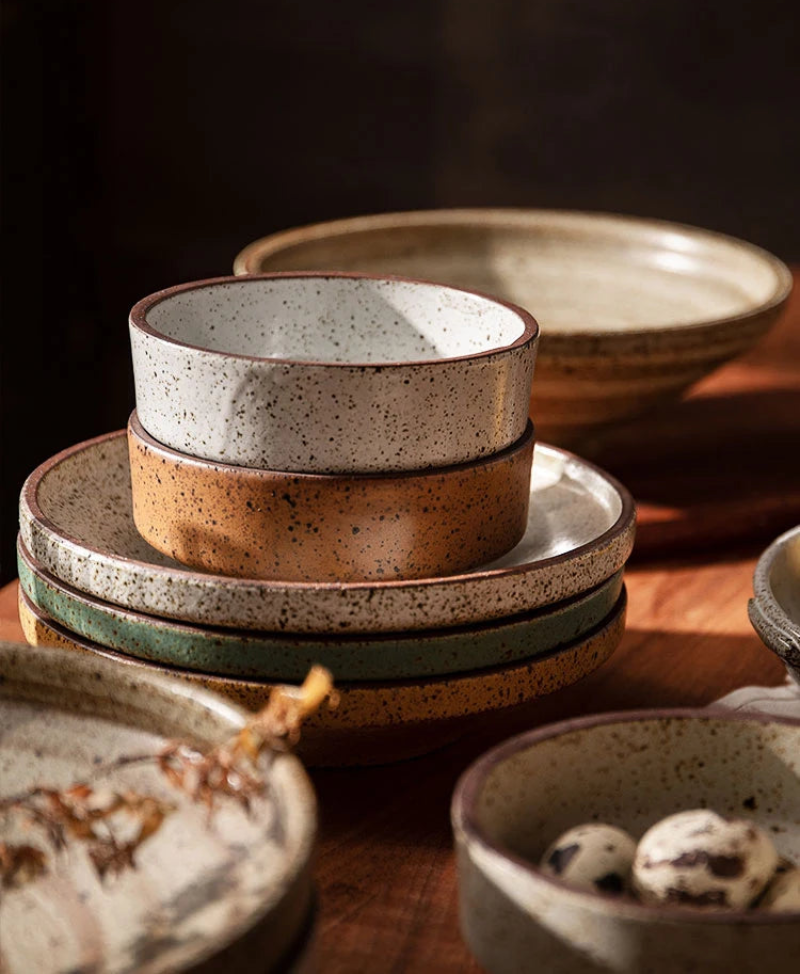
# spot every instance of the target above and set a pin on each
(76, 520)
(204, 894)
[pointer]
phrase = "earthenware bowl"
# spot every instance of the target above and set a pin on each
(328, 527)
(77, 522)
(202, 891)
(629, 770)
(775, 609)
(380, 722)
(287, 657)
(332, 373)
(632, 311)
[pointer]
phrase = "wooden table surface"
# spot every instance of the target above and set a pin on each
(717, 477)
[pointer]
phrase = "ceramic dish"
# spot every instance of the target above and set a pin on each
(632, 311)
(775, 610)
(332, 373)
(76, 521)
(199, 893)
(287, 657)
(375, 723)
(628, 770)
(328, 527)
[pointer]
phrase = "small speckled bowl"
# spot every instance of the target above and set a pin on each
(76, 519)
(375, 723)
(328, 527)
(282, 656)
(203, 894)
(628, 770)
(322, 373)
(633, 311)
(775, 609)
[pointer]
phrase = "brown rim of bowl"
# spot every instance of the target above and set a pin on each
(257, 473)
(507, 216)
(465, 798)
(31, 486)
(138, 319)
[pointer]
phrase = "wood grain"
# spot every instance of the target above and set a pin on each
(385, 869)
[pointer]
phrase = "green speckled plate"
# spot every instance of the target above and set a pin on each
(287, 657)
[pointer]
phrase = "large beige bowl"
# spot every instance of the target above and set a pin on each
(632, 311)
(628, 770)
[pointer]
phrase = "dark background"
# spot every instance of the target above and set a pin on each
(145, 143)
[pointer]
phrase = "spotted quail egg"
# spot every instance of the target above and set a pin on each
(592, 857)
(783, 893)
(700, 858)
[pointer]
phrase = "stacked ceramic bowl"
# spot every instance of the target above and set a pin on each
(336, 469)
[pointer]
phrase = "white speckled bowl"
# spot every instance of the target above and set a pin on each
(76, 519)
(629, 770)
(633, 311)
(775, 609)
(204, 895)
(331, 373)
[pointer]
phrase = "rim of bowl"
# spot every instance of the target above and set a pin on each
(139, 312)
(762, 585)
(237, 471)
(495, 217)
(626, 521)
(470, 783)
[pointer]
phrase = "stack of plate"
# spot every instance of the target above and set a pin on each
(413, 659)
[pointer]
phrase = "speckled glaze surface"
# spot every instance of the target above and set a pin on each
(384, 721)
(328, 527)
(331, 373)
(775, 608)
(287, 657)
(76, 520)
(220, 893)
(628, 770)
(632, 311)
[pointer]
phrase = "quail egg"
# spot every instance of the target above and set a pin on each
(700, 858)
(592, 857)
(783, 893)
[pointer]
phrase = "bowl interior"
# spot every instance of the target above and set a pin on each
(575, 272)
(632, 772)
(784, 578)
(335, 319)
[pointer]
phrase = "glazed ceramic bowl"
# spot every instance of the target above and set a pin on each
(328, 527)
(632, 311)
(76, 520)
(331, 373)
(775, 609)
(202, 893)
(629, 770)
(379, 722)
(286, 657)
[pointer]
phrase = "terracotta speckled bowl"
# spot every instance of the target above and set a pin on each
(628, 770)
(328, 527)
(633, 311)
(331, 373)
(76, 520)
(283, 656)
(202, 895)
(375, 723)
(775, 609)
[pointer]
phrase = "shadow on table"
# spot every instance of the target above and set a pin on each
(709, 471)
